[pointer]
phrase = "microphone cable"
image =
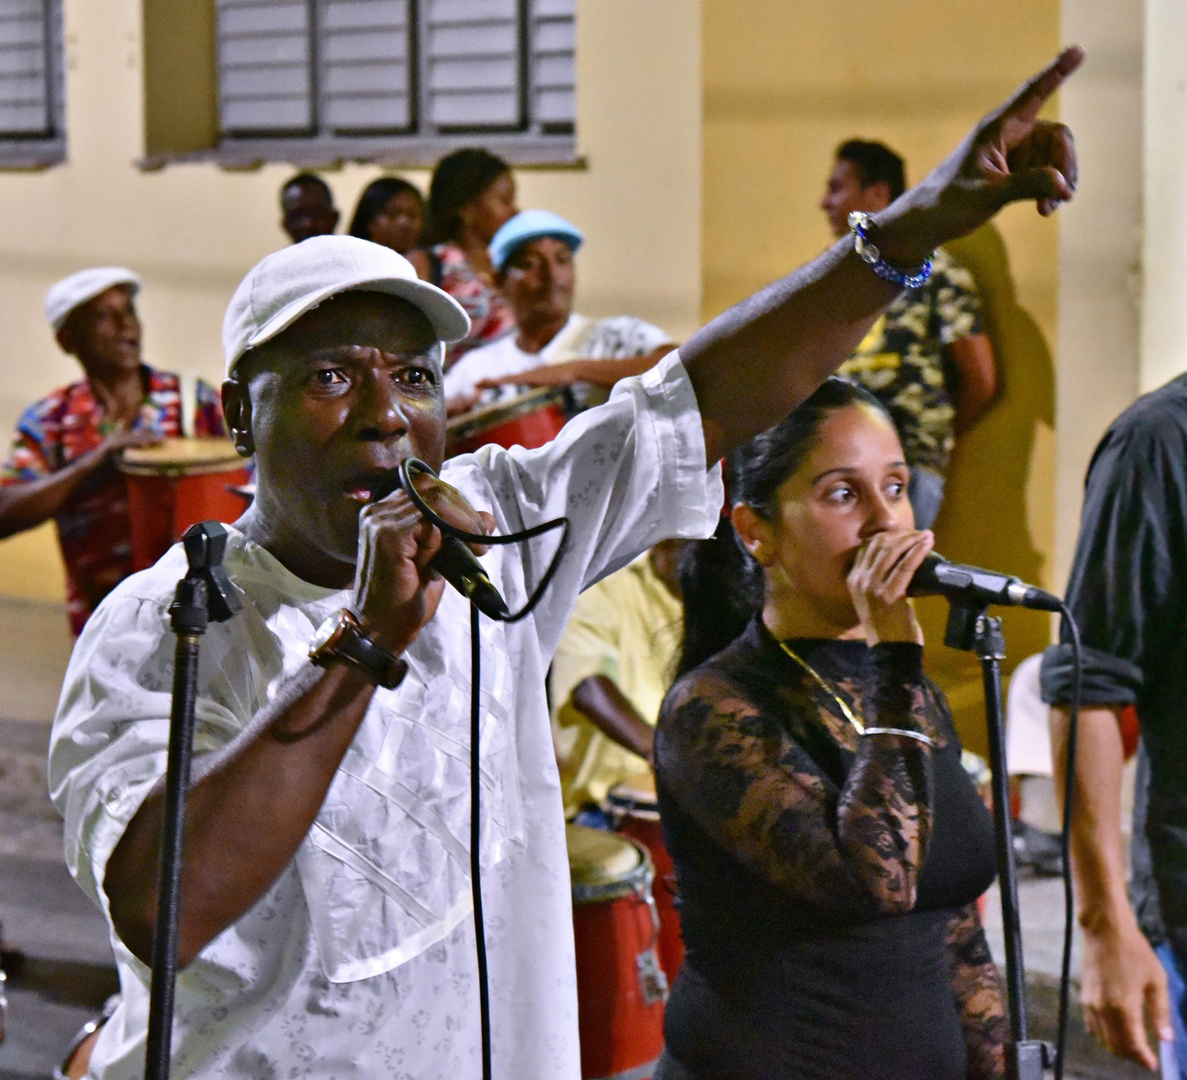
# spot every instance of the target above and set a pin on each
(1065, 840)
(405, 471)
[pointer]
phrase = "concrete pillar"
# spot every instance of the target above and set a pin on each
(1164, 244)
(1098, 359)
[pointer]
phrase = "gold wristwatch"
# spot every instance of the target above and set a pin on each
(341, 637)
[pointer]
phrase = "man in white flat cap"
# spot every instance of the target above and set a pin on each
(60, 462)
(325, 922)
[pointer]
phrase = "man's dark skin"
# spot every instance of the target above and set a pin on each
(307, 209)
(353, 387)
(104, 334)
(599, 696)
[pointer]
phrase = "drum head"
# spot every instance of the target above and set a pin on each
(604, 865)
(468, 425)
(181, 457)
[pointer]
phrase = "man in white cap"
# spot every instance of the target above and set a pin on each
(551, 345)
(60, 463)
(325, 921)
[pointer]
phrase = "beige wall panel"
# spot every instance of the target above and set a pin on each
(192, 231)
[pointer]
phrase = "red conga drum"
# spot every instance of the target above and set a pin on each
(620, 986)
(635, 811)
(176, 484)
(528, 420)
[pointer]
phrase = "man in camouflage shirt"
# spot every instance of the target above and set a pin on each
(927, 359)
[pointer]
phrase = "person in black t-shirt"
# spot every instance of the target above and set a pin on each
(1127, 595)
(829, 847)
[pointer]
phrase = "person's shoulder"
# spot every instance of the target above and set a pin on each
(948, 272)
(1156, 418)
(450, 255)
(58, 398)
(626, 334)
(53, 407)
(1149, 435)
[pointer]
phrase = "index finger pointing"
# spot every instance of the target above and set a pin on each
(1032, 96)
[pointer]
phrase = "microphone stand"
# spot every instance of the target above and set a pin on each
(971, 629)
(205, 594)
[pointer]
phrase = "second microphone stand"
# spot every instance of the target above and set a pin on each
(972, 629)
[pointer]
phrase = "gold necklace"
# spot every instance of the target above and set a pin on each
(846, 711)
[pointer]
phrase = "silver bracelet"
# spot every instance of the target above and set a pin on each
(918, 736)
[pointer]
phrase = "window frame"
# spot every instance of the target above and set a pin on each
(532, 146)
(40, 151)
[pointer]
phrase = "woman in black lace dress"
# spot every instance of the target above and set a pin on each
(828, 845)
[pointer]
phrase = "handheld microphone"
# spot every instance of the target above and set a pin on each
(970, 584)
(457, 564)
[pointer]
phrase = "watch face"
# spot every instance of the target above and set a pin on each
(325, 633)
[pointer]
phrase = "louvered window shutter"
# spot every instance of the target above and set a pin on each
(366, 70)
(553, 64)
(26, 74)
(472, 67)
(265, 66)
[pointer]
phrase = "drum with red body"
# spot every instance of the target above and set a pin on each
(635, 811)
(621, 988)
(176, 484)
(528, 420)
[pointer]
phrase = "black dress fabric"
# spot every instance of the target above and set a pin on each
(825, 879)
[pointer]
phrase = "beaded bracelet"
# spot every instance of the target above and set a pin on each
(859, 224)
(918, 736)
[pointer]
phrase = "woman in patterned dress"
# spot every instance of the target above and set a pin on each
(471, 195)
(829, 847)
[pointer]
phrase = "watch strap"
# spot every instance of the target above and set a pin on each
(350, 643)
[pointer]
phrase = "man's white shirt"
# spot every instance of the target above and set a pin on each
(359, 961)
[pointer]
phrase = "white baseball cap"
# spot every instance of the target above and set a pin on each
(64, 296)
(286, 284)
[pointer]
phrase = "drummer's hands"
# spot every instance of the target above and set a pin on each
(1010, 155)
(131, 438)
(564, 374)
(878, 584)
(396, 591)
(461, 403)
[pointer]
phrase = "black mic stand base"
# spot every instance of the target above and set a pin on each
(971, 629)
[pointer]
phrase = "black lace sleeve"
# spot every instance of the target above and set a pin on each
(978, 990)
(741, 775)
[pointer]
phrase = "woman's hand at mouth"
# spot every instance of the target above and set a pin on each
(878, 584)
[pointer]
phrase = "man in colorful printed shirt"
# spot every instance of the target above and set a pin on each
(61, 464)
(927, 359)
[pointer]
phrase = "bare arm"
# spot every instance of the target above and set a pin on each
(1122, 982)
(976, 374)
(752, 365)
(599, 698)
(603, 373)
(27, 505)
(252, 803)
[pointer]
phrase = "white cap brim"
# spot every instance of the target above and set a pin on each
(446, 316)
(77, 289)
(291, 282)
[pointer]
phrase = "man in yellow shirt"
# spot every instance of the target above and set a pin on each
(610, 674)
